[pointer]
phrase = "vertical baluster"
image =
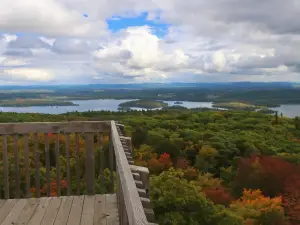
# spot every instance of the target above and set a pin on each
(68, 164)
(5, 167)
(47, 162)
(17, 169)
(89, 163)
(77, 164)
(57, 165)
(37, 166)
(120, 208)
(100, 144)
(111, 162)
(26, 161)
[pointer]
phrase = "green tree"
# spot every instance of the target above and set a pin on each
(176, 201)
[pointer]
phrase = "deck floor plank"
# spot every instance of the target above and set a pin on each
(67, 210)
(39, 211)
(64, 210)
(99, 216)
(6, 207)
(51, 213)
(111, 209)
(28, 211)
(76, 210)
(88, 210)
(14, 213)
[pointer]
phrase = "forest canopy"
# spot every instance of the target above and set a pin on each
(209, 167)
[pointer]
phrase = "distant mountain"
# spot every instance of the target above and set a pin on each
(221, 85)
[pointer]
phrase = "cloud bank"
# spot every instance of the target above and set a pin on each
(64, 41)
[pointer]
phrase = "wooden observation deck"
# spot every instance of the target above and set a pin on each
(82, 192)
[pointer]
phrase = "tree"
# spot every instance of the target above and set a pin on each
(218, 195)
(206, 159)
(176, 201)
(166, 146)
(266, 173)
(276, 118)
(139, 136)
(291, 199)
(254, 207)
(297, 123)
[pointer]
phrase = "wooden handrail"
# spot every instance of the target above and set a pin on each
(84, 131)
(130, 188)
(131, 211)
(55, 127)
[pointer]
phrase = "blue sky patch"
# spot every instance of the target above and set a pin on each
(118, 23)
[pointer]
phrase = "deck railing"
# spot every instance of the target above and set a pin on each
(78, 153)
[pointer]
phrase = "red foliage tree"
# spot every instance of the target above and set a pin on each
(165, 160)
(291, 199)
(269, 174)
(182, 163)
(218, 195)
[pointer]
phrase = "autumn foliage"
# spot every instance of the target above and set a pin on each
(291, 200)
(269, 174)
(255, 208)
(162, 163)
(218, 195)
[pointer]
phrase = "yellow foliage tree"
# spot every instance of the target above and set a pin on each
(255, 208)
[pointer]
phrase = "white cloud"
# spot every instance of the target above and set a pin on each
(27, 74)
(207, 41)
(140, 53)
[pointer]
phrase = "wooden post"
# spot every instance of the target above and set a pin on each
(47, 162)
(37, 166)
(77, 164)
(57, 151)
(100, 144)
(17, 169)
(68, 164)
(111, 163)
(27, 170)
(89, 164)
(5, 167)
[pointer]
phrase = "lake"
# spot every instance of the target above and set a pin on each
(93, 105)
(288, 110)
(112, 105)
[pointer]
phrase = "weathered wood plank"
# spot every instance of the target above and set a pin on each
(89, 164)
(28, 211)
(37, 166)
(68, 164)
(51, 212)
(57, 153)
(26, 162)
(99, 215)
(6, 207)
(17, 168)
(100, 144)
(2, 202)
(64, 210)
(40, 211)
(55, 127)
(111, 208)
(13, 215)
(134, 208)
(47, 162)
(88, 210)
(76, 210)
(5, 167)
(111, 163)
(77, 164)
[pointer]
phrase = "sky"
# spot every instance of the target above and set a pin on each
(137, 41)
